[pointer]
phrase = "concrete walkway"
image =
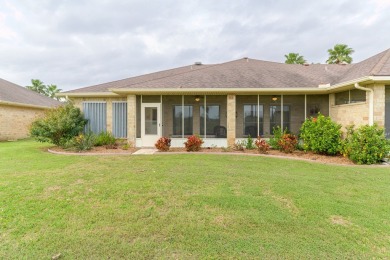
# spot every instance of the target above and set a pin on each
(145, 151)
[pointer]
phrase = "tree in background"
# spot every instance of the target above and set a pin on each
(47, 90)
(339, 54)
(294, 58)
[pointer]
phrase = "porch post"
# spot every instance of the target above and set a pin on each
(131, 119)
(305, 107)
(109, 116)
(282, 112)
(231, 119)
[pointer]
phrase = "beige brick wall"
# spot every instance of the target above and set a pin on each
(15, 121)
(358, 113)
(131, 118)
(231, 119)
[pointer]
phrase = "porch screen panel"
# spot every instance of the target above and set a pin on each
(275, 117)
(212, 118)
(96, 114)
(253, 120)
(119, 119)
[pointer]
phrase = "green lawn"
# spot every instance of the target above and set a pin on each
(188, 206)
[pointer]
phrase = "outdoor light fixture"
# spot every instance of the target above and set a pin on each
(274, 98)
(197, 98)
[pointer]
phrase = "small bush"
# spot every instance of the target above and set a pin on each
(366, 145)
(262, 145)
(239, 145)
(84, 142)
(59, 126)
(288, 143)
(277, 135)
(193, 144)
(106, 139)
(321, 135)
(163, 144)
(249, 143)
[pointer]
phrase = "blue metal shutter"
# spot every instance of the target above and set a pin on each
(96, 113)
(119, 119)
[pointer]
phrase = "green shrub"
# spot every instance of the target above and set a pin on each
(262, 145)
(366, 145)
(193, 144)
(321, 135)
(59, 125)
(249, 143)
(288, 143)
(84, 142)
(277, 134)
(163, 144)
(105, 138)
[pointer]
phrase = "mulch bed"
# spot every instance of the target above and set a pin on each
(338, 159)
(97, 150)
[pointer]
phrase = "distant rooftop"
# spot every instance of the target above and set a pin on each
(10, 92)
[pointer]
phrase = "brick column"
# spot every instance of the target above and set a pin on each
(109, 116)
(131, 119)
(231, 119)
(379, 104)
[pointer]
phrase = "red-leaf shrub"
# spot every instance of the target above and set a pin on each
(262, 145)
(288, 143)
(163, 144)
(193, 144)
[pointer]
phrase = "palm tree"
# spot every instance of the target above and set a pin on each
(52, 90)
(37, 86)
(47, 90)
(339, 54)
(294, 58)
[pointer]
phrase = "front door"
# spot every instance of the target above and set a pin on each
(150, 123)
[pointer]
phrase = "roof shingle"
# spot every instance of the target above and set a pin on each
(251, 73)
(10, 92)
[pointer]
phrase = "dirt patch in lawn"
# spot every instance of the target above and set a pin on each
(339, 220)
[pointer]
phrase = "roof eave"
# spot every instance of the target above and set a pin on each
(87, 94)
(221, 91)
(16, 104)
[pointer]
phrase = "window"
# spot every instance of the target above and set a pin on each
(350, 96)
(212, 119)
(275, 117)
(119, 119)
(178, 119)
(253, 120)
(95, 113)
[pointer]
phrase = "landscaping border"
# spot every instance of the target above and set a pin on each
(223, 153)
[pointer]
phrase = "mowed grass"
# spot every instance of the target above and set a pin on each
(188, 206)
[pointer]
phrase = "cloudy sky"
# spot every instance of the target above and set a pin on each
(80, 43)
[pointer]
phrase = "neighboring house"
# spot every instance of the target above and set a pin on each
(228, 101)
(19, 107)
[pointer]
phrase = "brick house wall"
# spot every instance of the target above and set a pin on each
(15, 121)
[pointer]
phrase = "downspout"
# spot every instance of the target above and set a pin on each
(370, 103)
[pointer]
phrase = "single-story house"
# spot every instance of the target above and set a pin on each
(229, 101)
(19, 107)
